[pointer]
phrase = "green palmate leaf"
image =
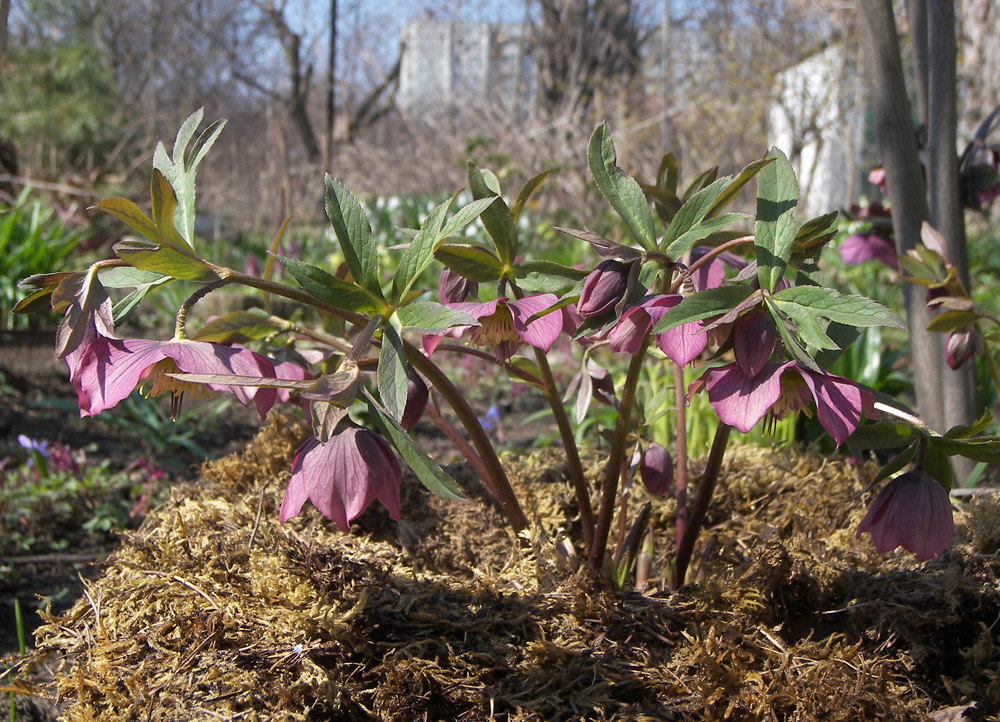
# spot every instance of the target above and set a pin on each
(430, 317)
(128, 277)
(497, 219)
(791, 342)
(666, 175)
(529, 187)
(150, 256)
(164, 203)
(547, 277)
(620, 189)
(883, 435)
(983, 448)
(812, 332)
(814, 234)
(129, 303)
(704, 304)
(952, 321)
(464, 216)
(699, 232)
(692, 213)
(734, 187)
(777, 196)
(829, 304)
(354, 232)
(665, 202)
(473, 262)
(35, 302)
(964, 432)
(330, 289)
(180, 170)
(703, 181)
(420, 251)
(430, 474)
(238, 327)
(392, 369)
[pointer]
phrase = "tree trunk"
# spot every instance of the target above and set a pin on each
(947, 215)
(905, 189)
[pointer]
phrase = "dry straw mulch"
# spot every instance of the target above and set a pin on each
(214, 611)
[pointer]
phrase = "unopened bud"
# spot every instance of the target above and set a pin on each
(416, 400)
(961, 346)
(604, 288)
(656, 470)
(453, 288)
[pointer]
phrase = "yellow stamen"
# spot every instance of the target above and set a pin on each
(156, 383)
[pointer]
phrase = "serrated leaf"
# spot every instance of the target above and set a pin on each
(692, 212)
(497, 220)
(420, 251)
(472, 262)
(734, 187)
(984, 448)
(465, 215)
(392, 369)
(429, 317)
(529, 187)
(952, 321)
(882, 435)
(702, 305)
(164, 203)
(35, 302)
(701, 230)
(150, 256)
(623, 192)
(129, 303)
(430, 474)
(238, 327)
(777, 196)
(180, 170)
(127, 277)
(331, 290)
(965, 431)
(354, 233)
(547, 277)
(830, 304)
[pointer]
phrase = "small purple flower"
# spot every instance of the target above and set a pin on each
(867, 245)
(604, 288)
(504, 325)
(33, 446)
(741, 401)
(961, 345)
(108, 370)
(656, 470)
(912, 511)
(682, 345)
(491, 421)
(343, 477)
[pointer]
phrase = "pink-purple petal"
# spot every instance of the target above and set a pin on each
(740, 401)
(542, 332)
(838, 402)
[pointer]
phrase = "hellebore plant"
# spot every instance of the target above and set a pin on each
(764, 337)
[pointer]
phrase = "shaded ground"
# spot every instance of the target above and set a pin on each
(212, 610)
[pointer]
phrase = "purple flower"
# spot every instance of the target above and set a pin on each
(32, 446)
(504, 325)
(877, 178)
(713, 273)
(961, 345)
(681, 345)
(416, 400)
(656, 470)
(867, 245)
(108, 370)
(741, 401)
(453, 288)
(603, 288)
(343, 477)
(912, 511)
(754, 335)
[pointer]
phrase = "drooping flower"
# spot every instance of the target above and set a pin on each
(603, 288)
(108, 370)
(343, 477)
(504, 325)
(912, 511)
(416, 399)
(866, 246)
(741, 401)
(681, 345)
(754, 336)
(961, 345)
(656, 470)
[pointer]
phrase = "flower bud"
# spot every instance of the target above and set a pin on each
(453, 288)
(604, 288)
(962, 345)
(416, 400)
(656, 470)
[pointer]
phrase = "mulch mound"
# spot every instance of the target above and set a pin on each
(212, 610)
